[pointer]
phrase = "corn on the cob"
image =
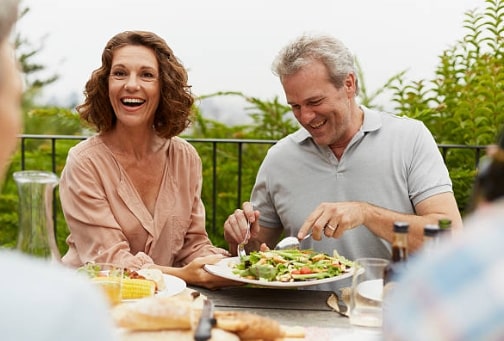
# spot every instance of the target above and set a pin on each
(137, 288)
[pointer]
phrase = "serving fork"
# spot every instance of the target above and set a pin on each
(241, 247)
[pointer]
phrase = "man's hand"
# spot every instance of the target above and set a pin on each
(333, 219)
(236, 225)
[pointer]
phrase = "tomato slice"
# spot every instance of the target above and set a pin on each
(305, 270)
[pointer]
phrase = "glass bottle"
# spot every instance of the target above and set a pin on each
(36, 225)
(396, 265)
(430, 237)
(444, 227)
(399, 253)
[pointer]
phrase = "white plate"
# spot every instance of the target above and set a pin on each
(173, 286)
(223, 268)
(372, 289)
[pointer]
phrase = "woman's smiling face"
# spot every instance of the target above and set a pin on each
(134, 88)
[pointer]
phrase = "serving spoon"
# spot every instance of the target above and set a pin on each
(290, 243)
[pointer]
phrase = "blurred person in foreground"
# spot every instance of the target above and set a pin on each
(349, 172)
(131, 194)
(456, 292)
(38, 300)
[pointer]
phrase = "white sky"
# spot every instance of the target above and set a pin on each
(228, 45)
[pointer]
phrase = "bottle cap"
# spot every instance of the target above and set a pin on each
(444, 223)
(401, 227)
(431, 230)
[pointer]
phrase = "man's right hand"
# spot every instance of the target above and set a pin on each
(236, 225)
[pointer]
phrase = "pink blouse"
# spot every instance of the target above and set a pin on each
(109, 222)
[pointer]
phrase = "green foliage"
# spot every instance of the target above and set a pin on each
(52, 120)
(26, 52)
(8, 219)
(367, 99)
(38, 155)
(40, 120)
(272, 120)
(464, 102)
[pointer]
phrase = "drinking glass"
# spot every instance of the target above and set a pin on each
(36, 226)
(367, 291)
(109, 277)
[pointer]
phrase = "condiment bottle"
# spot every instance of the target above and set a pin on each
(398, 260)
(399, 253)
(444, 227)
(430, 237)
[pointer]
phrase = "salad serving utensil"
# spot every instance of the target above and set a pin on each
(241, 247)
(290, 243)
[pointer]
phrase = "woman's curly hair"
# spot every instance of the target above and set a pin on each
(174, 111)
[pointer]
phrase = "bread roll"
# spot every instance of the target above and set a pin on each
(249, 326)
(179, 335)
(141, 319)
(154, 313)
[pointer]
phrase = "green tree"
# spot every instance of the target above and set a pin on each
(37, 119)
(27, 52)
(464, 102)
(368, 99)
(271, 121)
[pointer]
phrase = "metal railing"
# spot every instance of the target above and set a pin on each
(214, 150)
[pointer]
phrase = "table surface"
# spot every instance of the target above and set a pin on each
(291, 307)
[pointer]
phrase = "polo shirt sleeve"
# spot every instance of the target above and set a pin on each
(428, 174)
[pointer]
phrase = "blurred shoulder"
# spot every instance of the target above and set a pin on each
(60, 300)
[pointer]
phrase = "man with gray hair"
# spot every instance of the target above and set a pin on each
(349, 172)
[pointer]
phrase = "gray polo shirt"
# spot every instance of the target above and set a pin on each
(392, 162)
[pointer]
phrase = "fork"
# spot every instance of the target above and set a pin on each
(241, 247)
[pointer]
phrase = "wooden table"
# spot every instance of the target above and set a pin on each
(291, 307)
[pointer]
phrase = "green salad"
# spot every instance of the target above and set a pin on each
(290, 265)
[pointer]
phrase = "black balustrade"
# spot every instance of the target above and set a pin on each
(213, 147)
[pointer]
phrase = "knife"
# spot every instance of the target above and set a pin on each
(206, 322)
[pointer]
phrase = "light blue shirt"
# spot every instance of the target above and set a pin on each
(455, 292)
(46, 302)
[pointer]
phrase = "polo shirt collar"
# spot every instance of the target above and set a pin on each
(372, 120)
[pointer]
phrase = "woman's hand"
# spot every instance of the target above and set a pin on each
(194, 273)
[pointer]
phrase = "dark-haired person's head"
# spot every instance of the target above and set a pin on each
(489, 183)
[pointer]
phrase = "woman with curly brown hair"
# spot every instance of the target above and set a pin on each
(132, 193)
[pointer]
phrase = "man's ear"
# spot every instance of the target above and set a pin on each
(349, 83)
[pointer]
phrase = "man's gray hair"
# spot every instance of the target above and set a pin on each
(336, 57)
